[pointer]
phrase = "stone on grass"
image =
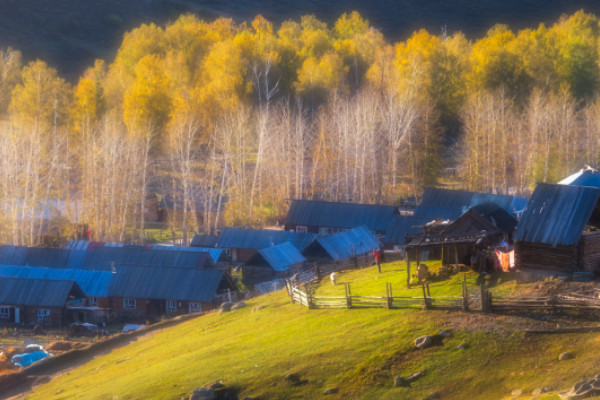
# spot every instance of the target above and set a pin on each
(414, 376)
(566, 356)
(331, 391)
(292, 378)
(423, 341)
(400, 381)
(225, 306)
(516, 392)
(217, 385)
(582, 389)
(444, 333)
(434, 396)
(462, 346)
(238, 305)
(203, 393)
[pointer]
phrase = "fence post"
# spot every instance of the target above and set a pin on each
(348, 296)
(407, 269)
(465, 290)
(318, 272)
(427, 286)
(483, 297)
(390, 296)
(309, 301)
(426, 305)
(489, 300)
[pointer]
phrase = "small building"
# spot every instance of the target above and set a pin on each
(94, 308)
(139, 292)
(105, 258)
(587, 176)
(242, 244)
(38, 301)
(325, 217)
(280, 261)
(559, 231)
(204, 241)
(456, 242)
(343, 245)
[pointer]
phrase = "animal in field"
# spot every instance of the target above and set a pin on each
(333, 276)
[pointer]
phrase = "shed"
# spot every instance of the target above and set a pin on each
(559, 230)
(279, 261)
(204, 240)
(244, 243)
(343, 245)
(152, 291)
(325, 217)
(40, 301)
(587, 176)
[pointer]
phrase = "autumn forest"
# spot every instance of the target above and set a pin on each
(231, 120)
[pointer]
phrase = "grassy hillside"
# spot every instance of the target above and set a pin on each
(357, 351)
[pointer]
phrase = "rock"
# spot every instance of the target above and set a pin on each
(331, 391)
(203, 393)
(217, 385)
(536, 392)
(292, 379)
(423, 341)
(462, 346)
(225, 306)
(414, 376)
(516, 392)
(445, 334)
(434, 396)
(238, 305)
(400, 381)
(566, 356)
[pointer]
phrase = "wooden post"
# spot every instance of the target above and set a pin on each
(390, 298)
(427, 286)
(465, 290)
(483, 297)
(426, 305)
(456, 256)
(348, 301)
(442, 255)
(418, 256)
(318, 272)
(308, 297)
(407, 269)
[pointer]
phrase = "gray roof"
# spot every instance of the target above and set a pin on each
(279, 258)
(93, 283)
(340, 215)
(262, 238)
(37, 292)
(204, 240)
(34, 256)
(346, 244)
(450, 204)
(557, 214)
(102, 258)
(184, 284)
(402, 225)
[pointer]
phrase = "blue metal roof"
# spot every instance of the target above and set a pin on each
(348, 243)
(93, 283)
(261, 239)
(557, 214)
(37, 292)
(585, 177)
(339, 215)
(402, 225)
(184, 284)
(279, 258)
(33, 256)
(450, 204)
(102, 258)
(204, 240)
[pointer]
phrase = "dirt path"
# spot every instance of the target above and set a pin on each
(18, 385)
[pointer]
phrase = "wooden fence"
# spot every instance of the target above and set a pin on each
(472, 299)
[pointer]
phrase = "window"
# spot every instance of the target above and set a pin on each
(171, 306)
(129, 304)
(195, 307)
(5, 312)
(43, 314)
(93, 301)
(301, 229)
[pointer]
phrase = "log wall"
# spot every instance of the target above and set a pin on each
(545, 257)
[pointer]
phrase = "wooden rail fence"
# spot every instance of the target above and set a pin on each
(472, 299)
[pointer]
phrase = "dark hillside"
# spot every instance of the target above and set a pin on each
(69, 34)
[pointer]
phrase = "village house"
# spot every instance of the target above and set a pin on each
(242, 244)
(342, 246)
(559, 231)
(325, 217)
(280, 261)
(138, 292)
(38, 301)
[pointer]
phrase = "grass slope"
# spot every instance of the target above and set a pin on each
(357, 351)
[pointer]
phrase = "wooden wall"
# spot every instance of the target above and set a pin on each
(589, 252)
(545, 257)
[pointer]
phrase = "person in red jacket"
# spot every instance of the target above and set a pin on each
(377, 254)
